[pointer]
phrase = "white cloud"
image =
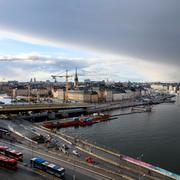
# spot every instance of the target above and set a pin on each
(116, 68)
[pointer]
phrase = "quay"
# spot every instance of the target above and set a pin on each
(89, 108)
(109, 164)
(115, 162)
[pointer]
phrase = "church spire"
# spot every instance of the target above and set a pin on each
(76, 80)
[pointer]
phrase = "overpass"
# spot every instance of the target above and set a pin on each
(16, 108)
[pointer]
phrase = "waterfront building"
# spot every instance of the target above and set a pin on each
(58, 94)
(161, 87)
(30, 92)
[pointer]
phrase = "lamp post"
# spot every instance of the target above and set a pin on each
(74, 176)
(32, 148)
(139, 158)
(142, 176)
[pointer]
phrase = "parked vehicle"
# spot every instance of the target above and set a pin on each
(76, 153)
(64, 150)
(65, 147)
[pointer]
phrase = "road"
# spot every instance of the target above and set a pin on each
(80, 173)
(102, 159)
(20, 174)
(106, 163)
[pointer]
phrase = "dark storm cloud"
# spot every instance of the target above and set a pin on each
(147, 29)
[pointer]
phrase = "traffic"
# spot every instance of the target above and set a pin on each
(45, 166)
(11, 153)
(9, 160)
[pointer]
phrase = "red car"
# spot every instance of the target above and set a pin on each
(90, 160)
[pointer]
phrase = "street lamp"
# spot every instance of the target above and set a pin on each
(32, 149)
(139, 158)
(142, 176)
(74, 176)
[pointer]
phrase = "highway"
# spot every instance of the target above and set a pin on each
(71, 170)
(108, 164)
(110, 160)
(105, 160)
(20, 174)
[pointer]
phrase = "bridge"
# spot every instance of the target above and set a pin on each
(16, 108)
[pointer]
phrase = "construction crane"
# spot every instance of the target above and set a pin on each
(67, 76)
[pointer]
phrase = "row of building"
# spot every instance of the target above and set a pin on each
(166, 87)
(88, 95)
(100, 95)
(87, 91)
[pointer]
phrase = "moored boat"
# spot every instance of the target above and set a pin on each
(62, 123)
(77, 121)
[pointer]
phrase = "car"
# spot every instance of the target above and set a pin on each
(75, 152)
(90, 160)
(64, 151)
(65, 147)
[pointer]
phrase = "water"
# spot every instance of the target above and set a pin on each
(156, 135)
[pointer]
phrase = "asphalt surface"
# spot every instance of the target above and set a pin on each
(20, 174)
(70, 169)
(26, 173)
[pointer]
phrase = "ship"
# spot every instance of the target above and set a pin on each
(61, 123)
(77, 121)
(141, 109)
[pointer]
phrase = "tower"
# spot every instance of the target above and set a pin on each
(76, 80)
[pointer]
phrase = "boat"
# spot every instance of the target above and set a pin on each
(85, 121)
(169, 101)
(141, 109)
(77, 121)
(61, 123)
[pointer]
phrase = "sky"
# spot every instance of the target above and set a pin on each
(118, 40)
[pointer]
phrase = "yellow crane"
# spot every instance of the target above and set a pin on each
(67, 76)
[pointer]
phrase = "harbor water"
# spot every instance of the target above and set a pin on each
(153, 136)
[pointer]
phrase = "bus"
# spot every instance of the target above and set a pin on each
(8, 163)
(45, 166)
(11, 153)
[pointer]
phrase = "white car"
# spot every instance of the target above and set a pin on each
(75, 153)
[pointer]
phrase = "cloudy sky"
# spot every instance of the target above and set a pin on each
(137, 40)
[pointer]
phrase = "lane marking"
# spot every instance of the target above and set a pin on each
(66, 162)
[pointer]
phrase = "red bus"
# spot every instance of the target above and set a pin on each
(11, 153)
(8, 163)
